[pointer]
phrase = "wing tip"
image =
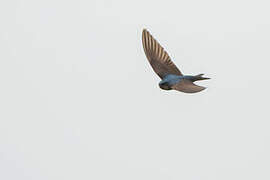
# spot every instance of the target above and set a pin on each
(145, 32)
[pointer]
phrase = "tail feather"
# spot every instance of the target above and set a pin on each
(199, 77)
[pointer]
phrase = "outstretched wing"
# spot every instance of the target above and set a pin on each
(157, 56)
(187, 87)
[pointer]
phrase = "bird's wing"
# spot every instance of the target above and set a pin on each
(157, 56)
(187, 87)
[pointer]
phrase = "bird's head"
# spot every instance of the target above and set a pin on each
(164, 85)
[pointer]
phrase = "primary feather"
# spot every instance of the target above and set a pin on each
(158, 57)
(187, 86)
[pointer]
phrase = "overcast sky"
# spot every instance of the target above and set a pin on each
(79, 100)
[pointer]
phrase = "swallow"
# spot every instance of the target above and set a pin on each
(171, 76)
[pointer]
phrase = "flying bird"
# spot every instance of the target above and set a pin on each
(171, 76)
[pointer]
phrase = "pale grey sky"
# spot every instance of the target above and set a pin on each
(79, 100)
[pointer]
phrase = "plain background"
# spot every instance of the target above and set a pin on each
(78, 99)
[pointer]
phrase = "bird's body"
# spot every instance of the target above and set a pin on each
(169, 80)
(171, 76)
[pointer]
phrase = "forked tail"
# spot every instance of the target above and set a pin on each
(199, 77)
